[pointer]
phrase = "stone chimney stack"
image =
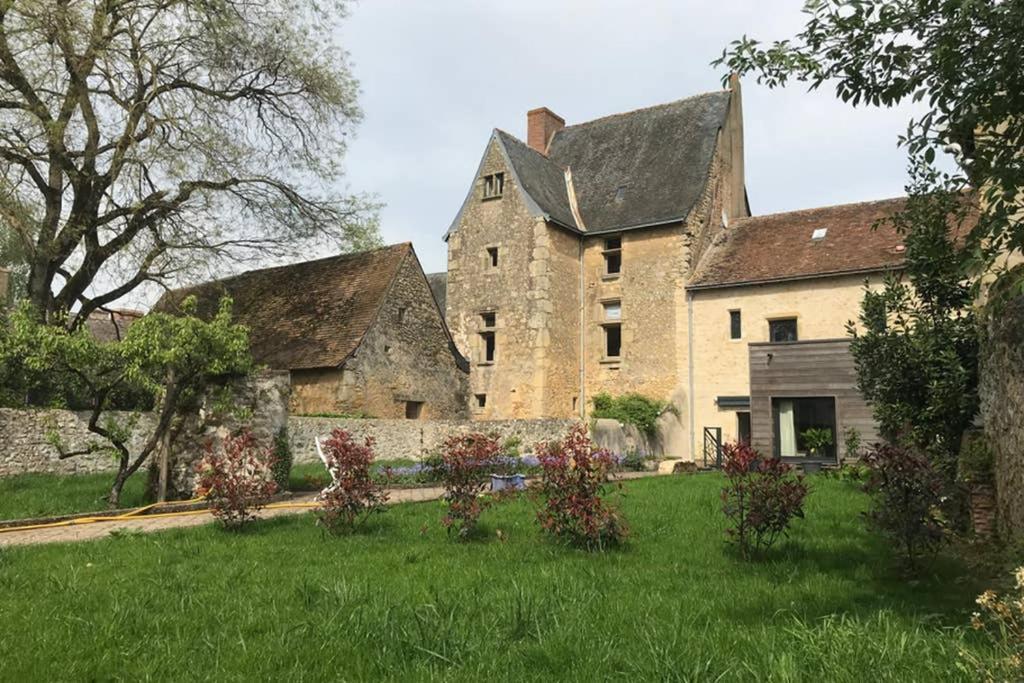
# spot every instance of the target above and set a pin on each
(541, 125)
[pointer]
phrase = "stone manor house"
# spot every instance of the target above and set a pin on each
(620, 255)
(615, 255)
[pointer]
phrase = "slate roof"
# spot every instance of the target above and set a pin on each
(541, 179)
(641, 168)
(439, 288)
(659, 156)
(305, 315)
(779, 246)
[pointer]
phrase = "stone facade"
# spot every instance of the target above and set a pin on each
(535, 292)
(1002, 408)
(721, 366)
(516, 291)
(405, 356)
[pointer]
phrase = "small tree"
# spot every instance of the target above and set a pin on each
(465, 462)
(573, 492)
(906, 491)
(172, 358)
(237, 479)
(762, 498)
(353, 494)
(917, 355)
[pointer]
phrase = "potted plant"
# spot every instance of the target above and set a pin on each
(503, 475)
(975, 471)
(816, 440)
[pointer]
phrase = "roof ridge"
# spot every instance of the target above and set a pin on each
(527, 146)
(663, 105)
(745, 219)
(323, 259)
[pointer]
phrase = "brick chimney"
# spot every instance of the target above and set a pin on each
(541, 124)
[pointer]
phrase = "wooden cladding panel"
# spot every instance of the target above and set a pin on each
(803, 370)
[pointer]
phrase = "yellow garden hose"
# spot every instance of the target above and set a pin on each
(133, 513)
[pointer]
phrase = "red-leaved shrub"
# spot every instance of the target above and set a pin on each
(353, 494)
(762, 497)
(906, 491)
(465, 463)
(573, 489)
(237, 479)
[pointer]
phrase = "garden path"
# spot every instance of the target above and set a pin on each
(95, 530)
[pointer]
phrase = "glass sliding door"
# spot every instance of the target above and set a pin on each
(793, 419)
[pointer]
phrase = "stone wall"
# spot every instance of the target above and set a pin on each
(416, 439)
(24, 447)
(1002, 408)
(259, 402)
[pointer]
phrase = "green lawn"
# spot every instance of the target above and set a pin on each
(45, 495)
(401, 601)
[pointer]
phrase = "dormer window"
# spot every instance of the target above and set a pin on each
(494, 185)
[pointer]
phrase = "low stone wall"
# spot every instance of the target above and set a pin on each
(1002, 408)
(24, 447)
(415, 438)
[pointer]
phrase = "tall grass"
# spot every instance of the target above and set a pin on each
(401, 602)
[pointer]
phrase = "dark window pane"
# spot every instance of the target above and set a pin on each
(792, 417)
(489, 319)
(613, 243)
(613, 262)
(735, 328)
(613, 340)
(413, 409)
(488, 338)
(782, 330)
(492, 255)
(481, 400)
(743, 427)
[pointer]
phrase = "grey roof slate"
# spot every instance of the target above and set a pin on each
(540, 178)
(660, 156)
(439, 286)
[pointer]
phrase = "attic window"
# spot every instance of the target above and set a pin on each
(494, 185)
(819, 234)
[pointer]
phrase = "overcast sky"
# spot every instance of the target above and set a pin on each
(437, 76)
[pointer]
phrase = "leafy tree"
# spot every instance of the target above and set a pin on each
(917, 357)
(141, 138)
(959, 57)
(173, 358)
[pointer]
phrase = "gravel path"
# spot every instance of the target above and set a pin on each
(92, 531)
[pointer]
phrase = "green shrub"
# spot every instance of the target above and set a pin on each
(283, 460)
(976, 461)
(853, 443)
(634, 409)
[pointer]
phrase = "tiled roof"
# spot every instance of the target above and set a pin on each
(306, 315)
(781, 246)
